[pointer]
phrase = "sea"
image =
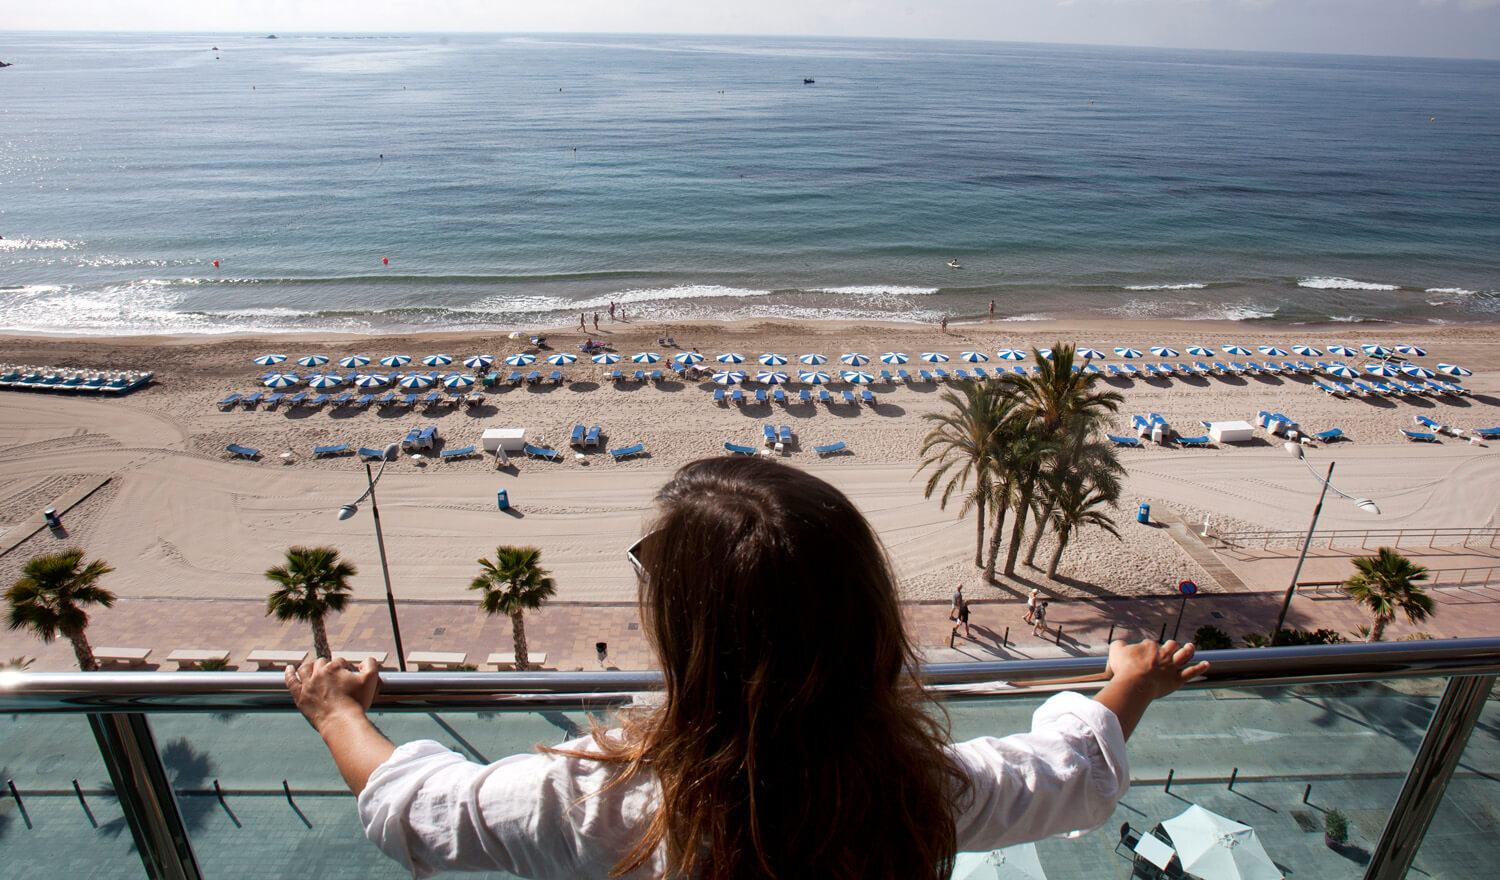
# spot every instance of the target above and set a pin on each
(238, 183)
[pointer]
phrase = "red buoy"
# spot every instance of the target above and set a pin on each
(216, 264)
(385, 260)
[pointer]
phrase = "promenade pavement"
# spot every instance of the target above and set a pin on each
(569, 632)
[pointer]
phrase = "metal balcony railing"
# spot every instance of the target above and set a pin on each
(118, 707)
(1479, 536)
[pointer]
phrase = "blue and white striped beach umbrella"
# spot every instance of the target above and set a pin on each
(894, 357)
(934, 357)
(1385, 370)
(1200, 351)
(354, 360)
(370, 380)
(1419, 372)
(459, 381)
(1045, 352)
(1271, 351)
(1011, 354)
(770, 377)
(1375, 350)
(729, 377)
(1127, 353)
(606, 357)
(1236, 350)
(1343, 351)
(415, 381)
(1163, 351)
(1341, 371)
(688, 357)
(395, 360)
(1454, 370)
(854, 359)
(645, 357)
(282, 380)
(479, 361)
(813, 377)
(856, 377)
(313, 360)
(561, 358)
(1089, 353)
(325, 380)
(1307, 351)
(267, 360)
(812, 357)
(772, 359)
(1412, 351)
(730, 357)
(438, 360)
(521, 359)
(973, 357)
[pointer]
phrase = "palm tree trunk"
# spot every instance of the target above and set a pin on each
(1062, 543)
(979, 538)
(1041, 529)
(1018, 531)
(1377, 631)
(996, 531)
(518, 629)
(82, 650)
(320, 639)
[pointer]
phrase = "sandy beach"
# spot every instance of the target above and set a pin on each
(178, 518)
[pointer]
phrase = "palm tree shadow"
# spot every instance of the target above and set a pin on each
(188, 770)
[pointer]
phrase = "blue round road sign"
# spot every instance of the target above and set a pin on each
(1187, 588)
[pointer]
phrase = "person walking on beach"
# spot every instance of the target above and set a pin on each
(1039, 623)
(1031, 600)
(958, 602)
(611, 313)
(596, 322)
(943, 323)
(700, 783)
(992, 310)
(581, 325)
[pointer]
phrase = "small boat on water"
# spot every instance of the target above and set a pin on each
(807, 80)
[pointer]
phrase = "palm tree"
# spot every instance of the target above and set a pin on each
(1016, 450)
(514, 583)
(314, 583)
(960, 448)
(1077, 503)
(1055, 402)
(1078, 453)
(1386, 583)
(51, 595)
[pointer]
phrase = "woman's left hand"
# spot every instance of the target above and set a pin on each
(327, 689)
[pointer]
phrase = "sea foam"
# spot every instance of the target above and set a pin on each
(1187, 285)
(1334, 283)
(878, 290)
(37, 244)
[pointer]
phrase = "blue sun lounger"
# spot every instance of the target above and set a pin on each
(320, 451)
(343, 399)
(228, 402)
(737, 396)
(541, 452)
(371, 454)
(1429, 424)
(318, 401)
(778, 395)
(849, 398)
(273, 399)
(785, 434)
(576, 438)
(824, 396)
(592, 437)
(867, 396)
(1124, 441)
(740, 450)
(720, 397)
(830, 448)
(252, 400)
(1418, 436)
(1193, 441)
(1487, 433)
(760, 395)
(411, 438)
(627, 451)
(1329, 435)
(364, 400)
(455, 453)
(242, 451)
(770, 433)
(806, 396)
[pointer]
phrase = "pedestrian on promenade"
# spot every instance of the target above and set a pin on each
(1039, 623)
(689, 786)
(1031, 600)
(963, 618)
(958, 602)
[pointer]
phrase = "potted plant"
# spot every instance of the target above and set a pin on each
(1335, 829)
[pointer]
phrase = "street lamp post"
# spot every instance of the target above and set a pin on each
(1295, 449)
(347, 511)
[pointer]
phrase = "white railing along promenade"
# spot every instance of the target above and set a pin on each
(1364, 539)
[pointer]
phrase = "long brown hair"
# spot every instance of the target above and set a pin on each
(794, 739)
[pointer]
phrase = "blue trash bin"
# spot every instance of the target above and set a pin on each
(1144, 514)
(502, 500)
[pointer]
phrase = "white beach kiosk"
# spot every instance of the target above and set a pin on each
(1230, 432)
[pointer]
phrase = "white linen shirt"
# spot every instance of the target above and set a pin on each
(541, 815)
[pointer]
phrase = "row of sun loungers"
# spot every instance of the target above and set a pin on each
(70, 381)
(737, 396)
(312, 400)
(1410, 387)
(268, 660)
(781, 444)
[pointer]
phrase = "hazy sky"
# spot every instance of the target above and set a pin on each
(1452, 28)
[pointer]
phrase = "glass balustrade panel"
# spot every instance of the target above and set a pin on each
(1463, 841)
(53, 829)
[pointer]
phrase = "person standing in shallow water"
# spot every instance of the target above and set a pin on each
(854, 774)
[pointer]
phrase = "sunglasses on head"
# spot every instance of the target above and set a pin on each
(633, 553)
